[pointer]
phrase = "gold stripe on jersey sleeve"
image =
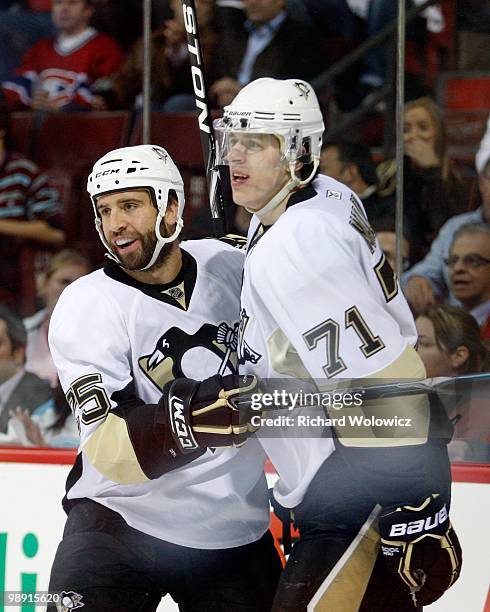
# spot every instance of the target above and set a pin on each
(110, 451)
(406, 419)
(284, 357)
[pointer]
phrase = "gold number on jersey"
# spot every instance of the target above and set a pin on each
(92, 399)
(330, 330)
(370, 344)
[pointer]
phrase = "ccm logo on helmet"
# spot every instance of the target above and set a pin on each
(431, 522)
(179, 425)
(113, 171)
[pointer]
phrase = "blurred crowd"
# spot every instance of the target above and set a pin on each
(63, 56)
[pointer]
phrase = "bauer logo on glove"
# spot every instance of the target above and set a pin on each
(419, 544)
(420, 525)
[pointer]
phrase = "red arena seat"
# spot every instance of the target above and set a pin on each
(176, 132)
(464, 91)
(76, 140)
(21, 132)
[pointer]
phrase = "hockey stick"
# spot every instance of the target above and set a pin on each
(208, 143)
(442, 385)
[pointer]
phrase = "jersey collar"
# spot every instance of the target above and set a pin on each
(301, 195)
(295, 198)
(177, 293)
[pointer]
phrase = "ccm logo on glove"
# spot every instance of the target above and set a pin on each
(179, 425)
(208, 413)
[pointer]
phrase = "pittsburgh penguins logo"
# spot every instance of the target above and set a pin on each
(160, 153)
(172, 350)
(304, 90)
(68, 601)
(245, 352)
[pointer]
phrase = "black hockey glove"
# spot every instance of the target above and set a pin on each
(208, 413)
(419, 544)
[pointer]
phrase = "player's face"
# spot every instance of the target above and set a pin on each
(437, 360)
(418, 125)
(128, 222)
(469, 268)
(71, 16)
(59, 280)
(257, 169)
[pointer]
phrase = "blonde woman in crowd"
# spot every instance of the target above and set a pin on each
(433, 189)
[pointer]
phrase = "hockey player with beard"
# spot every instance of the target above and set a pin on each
(165, 495)
(319, 301)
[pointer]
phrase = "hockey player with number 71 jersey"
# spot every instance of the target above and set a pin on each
(320, 305)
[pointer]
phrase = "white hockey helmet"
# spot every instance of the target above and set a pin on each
(288, 109)
(142, 166)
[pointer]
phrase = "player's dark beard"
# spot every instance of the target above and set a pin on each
(135, 261)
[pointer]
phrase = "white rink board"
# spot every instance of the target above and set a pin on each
(470, 511)
(31, 496)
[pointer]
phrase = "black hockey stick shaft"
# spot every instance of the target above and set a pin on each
(208, 142)
(441, 385)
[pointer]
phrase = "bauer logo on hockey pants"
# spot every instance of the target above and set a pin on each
(431, 522)
(180, 426)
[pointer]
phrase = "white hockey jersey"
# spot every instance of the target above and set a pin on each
(320, 301)
(115, 343)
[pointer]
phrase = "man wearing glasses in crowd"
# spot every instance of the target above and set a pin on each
(429, 280)
(469, 269)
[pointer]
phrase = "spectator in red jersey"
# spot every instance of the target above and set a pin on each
(29, 210)
(61, 72)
